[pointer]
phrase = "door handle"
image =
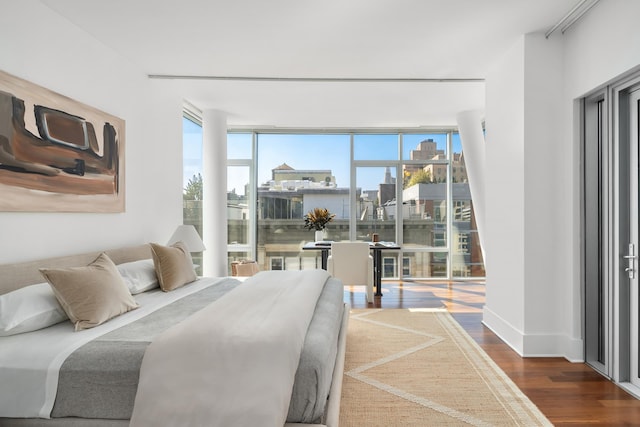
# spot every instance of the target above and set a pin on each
(630, 270)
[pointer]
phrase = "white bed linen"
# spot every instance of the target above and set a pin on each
(30, 362)
(234, 362)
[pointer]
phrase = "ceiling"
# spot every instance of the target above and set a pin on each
(320, 64)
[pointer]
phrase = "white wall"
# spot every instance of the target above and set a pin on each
(39, 46)
(543, 332)
(602, 46)
(533, 180)
(504, 206)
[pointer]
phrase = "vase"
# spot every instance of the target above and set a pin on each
(319, 235)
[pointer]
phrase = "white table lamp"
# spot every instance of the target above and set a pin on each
(189, 236)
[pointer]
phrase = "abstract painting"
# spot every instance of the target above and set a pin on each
(57, 154)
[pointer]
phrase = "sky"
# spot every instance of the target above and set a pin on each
(300, 151)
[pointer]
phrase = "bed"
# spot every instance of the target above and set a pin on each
(95, 380)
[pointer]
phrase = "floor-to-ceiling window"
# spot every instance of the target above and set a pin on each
(240, 196)
(192, 176)
(426, 194)
(296, 173)
(466, 251)
(407, 187)
(376, 163)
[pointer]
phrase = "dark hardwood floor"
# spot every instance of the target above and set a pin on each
(567, 393)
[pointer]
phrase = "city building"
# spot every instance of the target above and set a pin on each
(287, 178)
(427, 150)
(291, 193)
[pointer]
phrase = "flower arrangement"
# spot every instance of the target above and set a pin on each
(317, 219)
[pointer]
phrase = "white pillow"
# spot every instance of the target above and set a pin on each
(140, 276)
(28, 309)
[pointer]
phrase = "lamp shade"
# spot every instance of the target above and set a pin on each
(188, 235)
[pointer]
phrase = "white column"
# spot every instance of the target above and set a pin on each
(214, 192)
(473, 145)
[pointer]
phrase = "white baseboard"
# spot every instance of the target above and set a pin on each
(511, 336)
(574, 350)
(533, 345)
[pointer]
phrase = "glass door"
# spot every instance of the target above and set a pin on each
(630, 262)
(627, 303)
(596, 237)
(611, 233)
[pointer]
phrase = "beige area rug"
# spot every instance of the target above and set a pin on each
(420, 368)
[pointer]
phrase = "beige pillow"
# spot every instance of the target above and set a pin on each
(90, 295)
(174, 266)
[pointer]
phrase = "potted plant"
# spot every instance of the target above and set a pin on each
(317, 219)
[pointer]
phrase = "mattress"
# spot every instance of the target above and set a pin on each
(99, 379)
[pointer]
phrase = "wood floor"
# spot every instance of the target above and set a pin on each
(567, 393)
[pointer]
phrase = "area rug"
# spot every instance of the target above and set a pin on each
(418, 367)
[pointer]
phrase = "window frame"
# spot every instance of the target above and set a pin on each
(448, 247)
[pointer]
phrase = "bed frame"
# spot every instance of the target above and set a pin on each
(18, 275)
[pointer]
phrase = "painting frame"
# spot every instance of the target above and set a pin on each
(58, 154)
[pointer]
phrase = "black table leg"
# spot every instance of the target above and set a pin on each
(377, 272)
(324, 255)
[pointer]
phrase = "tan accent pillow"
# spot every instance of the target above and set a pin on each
(174, 266)
(90, 295)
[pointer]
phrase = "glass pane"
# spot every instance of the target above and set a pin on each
(389, 264)
(238, 205)
(192, 180)
(376, 203)
(424, 265)
(424, 203)
(466, 253)
(431, 146)
(297, 173)
(277, 263)
(191, 150)
(424, 192)
(458, 168)
(239, 145)
(375, 147)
